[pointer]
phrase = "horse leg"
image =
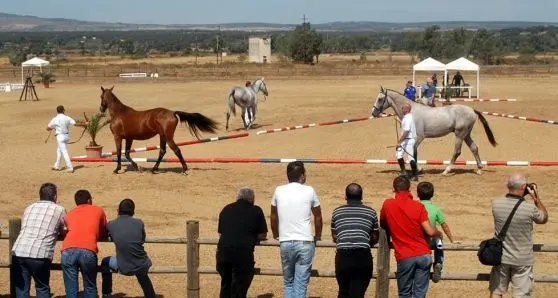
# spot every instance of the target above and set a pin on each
(162, 151)
(227, 125)
(178, 153)
(118, 142)
(417, 143)
(127, 154)
(244, 118)
(456, 153)
(475, 150)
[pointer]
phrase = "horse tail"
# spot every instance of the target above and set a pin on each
(197, 122)
(231, 107)
(487, 129)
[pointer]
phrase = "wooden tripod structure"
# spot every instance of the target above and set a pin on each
(28, 90)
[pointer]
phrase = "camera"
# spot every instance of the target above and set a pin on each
(529, 186)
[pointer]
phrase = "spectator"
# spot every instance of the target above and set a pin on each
(128, 235)
(435, 79)
(241, 226)
(291, 208)
(517, 257)
(425, 191)
(406, 221)
(86, 223)
(457, 79)
(429, 93)
(354, 228)
(410, 91)
(33, 249)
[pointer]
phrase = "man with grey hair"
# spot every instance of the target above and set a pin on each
(517, 257)
(241, 226)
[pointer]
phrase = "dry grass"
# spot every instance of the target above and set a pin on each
(167, 200)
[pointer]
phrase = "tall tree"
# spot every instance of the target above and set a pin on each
(305, 44)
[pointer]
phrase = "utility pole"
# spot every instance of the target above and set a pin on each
(217, 47)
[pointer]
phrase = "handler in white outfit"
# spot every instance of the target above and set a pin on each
(61, 125)
(406, 142)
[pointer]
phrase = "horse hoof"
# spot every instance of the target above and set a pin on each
(115, 171)
(479, 172)
(445, 173)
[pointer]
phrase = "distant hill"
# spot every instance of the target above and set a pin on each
(19, 23)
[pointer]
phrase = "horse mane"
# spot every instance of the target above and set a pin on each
(116, 100)
(395, 91)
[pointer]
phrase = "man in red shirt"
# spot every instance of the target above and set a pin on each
(406, 222)
(86, 223)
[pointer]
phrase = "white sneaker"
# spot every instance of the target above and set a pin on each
(69, 170)
(56, 169)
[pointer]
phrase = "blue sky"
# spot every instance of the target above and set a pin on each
(285, 11)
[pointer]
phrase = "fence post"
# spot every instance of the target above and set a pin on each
(192, 259)
(382, 267)
(14, 228)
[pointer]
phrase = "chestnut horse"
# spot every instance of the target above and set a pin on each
(129, 124)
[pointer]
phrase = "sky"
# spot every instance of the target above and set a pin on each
(285, 11)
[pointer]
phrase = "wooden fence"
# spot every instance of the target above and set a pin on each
(193, 270)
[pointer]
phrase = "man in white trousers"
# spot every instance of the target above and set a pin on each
(406, 143)
(61, 126)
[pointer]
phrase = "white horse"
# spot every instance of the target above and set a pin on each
(247, 99)
(435, 122)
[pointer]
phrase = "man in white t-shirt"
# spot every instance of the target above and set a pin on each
(292, 207)
(61, 125)
(406, 142)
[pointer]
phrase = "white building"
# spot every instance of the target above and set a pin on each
(259, 49)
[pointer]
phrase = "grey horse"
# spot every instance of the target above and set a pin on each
(247, 99)
(435, 122)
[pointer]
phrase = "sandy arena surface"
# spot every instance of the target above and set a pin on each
(167, 200)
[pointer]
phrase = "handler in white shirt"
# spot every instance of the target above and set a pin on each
(61, 125)
(292, 207)
(406, 142)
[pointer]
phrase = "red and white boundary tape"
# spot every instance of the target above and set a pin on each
(321, 124)
(477, 100)
(328, 161)
(185, 143)
(521, 118)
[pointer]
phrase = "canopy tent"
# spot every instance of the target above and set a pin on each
(428, 64)
(464, 64)
(34, 62)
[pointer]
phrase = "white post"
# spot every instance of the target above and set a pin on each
(478, 85)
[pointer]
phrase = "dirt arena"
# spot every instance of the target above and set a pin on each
(167, 200)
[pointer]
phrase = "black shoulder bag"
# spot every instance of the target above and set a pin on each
(490, 250)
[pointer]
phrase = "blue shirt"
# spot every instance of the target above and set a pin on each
(410, 93)
(428, 91)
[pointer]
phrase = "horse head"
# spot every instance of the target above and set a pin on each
(106, 95)
(382, 103)
(261, 86)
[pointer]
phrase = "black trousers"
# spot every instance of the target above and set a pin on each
(236, 267)
(353, 271)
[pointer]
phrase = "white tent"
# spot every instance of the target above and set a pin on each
(34, 62)
(428, 64)
(464, 64)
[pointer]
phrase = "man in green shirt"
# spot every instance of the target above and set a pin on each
(425, 191)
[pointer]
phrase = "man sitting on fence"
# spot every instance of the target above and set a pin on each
(517, 256)
(354, 228)
(128, 235)
(406, 222)
(32, 253)
(241, 225)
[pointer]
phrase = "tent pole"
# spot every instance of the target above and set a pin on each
(478, 83)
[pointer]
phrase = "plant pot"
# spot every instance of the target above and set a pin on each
(46, 84)
(93, 151)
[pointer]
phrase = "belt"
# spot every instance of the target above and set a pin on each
(64, 133)
(297, 241)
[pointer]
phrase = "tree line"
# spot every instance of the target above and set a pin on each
(303, 44)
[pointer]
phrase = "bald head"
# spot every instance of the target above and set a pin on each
(353, 192)
(516, 183)
(247, 194)
(406, 108)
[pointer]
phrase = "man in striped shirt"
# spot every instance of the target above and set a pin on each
(517, 257)
(33, 249)
(354, 228)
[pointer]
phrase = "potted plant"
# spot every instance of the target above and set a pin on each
(96, 123)
(47, 78)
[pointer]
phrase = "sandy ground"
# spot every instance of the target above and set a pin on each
(167, 200)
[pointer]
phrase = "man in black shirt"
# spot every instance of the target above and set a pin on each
(128, 235)
(241, 226)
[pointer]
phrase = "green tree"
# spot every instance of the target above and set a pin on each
(305, 44)
(484, 47)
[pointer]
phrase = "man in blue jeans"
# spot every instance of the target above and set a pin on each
(292, 206)
(128, 235)
(406, 222)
